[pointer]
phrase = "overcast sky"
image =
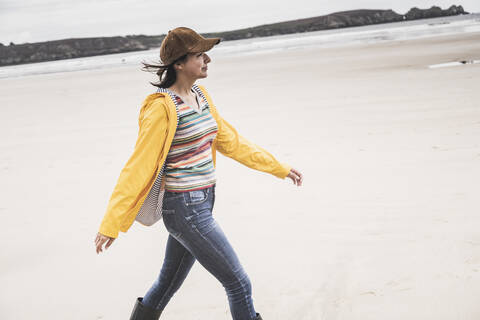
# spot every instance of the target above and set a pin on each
(40, 20)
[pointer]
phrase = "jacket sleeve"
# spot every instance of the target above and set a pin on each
(235, 146)
(137, 172)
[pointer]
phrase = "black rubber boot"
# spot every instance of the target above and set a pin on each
(142, 312)
(258, 317)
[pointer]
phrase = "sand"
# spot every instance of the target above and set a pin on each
(384, 227)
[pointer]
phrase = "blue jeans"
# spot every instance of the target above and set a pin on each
(195, 235)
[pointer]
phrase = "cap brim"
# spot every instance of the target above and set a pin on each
(206, 45)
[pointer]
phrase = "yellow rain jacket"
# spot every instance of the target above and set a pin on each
(157, 126)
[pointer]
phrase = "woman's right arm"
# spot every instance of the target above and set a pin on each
(137, 172)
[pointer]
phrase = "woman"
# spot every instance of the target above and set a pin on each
(180, 131)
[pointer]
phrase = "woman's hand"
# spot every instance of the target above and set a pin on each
(296, 177)
(100, 240)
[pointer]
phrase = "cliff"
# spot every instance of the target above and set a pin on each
(343, 19)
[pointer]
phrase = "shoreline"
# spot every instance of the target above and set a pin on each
(64, 49)
(346, 37)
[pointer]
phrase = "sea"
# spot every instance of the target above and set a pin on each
(405, 30)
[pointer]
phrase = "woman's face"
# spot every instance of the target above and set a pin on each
(196, 65)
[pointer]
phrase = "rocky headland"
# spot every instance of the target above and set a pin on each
(13, 54)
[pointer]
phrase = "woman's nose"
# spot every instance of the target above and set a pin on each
(206, 58)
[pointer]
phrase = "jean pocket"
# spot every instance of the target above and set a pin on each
(196, 197)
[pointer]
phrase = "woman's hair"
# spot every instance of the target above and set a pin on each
(166, 74)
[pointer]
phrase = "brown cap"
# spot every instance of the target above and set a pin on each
(183, 40)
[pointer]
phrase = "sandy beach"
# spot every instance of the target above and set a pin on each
(384, 227)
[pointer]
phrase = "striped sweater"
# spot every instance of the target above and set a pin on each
(189, 164)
